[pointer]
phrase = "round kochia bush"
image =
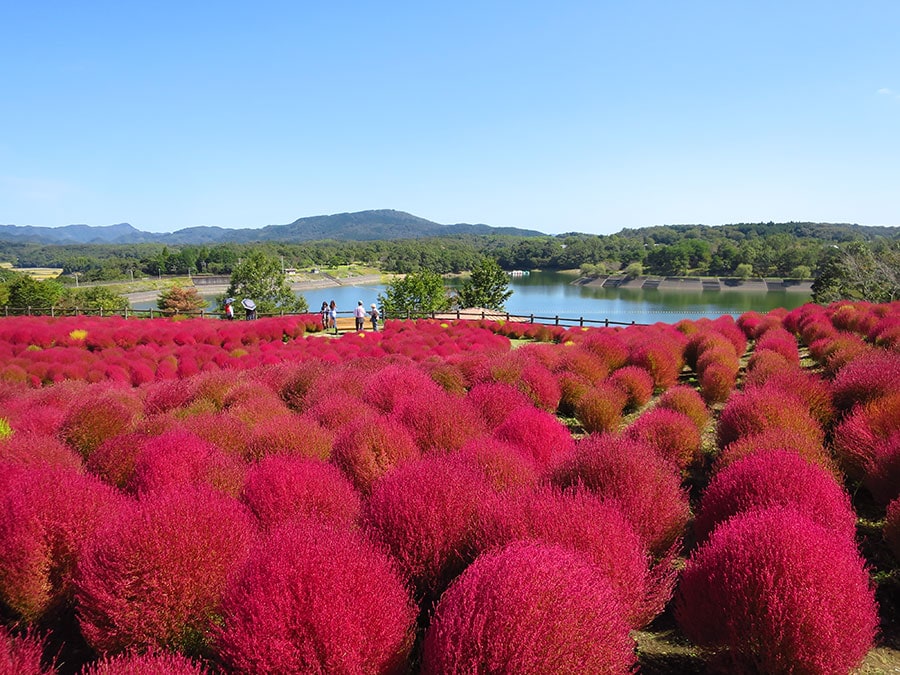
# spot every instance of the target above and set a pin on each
(539, 435)
(368, 447)
(425, 513)
(529, 608)
(646, 486)
(760, 408)
(282, 488)
(775, 478)
(670, 433)
(586, 523)
(778, 593)
(21, 654)
(311, 599)
(48, 513)
(155, 576)
(151, 663)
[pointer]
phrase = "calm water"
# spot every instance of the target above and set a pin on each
(550, 294)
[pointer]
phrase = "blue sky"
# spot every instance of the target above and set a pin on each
(570, 116)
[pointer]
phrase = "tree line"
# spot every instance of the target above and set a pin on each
(791, 250)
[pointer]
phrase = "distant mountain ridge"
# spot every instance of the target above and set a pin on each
(359, 226)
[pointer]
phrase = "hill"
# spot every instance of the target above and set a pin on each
(360, 226)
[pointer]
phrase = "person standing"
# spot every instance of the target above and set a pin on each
(229, 309)
(360, 315)
(374, 316)
(326, 314)
(332, 313)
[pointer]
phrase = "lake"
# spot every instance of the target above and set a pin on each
(550, 294)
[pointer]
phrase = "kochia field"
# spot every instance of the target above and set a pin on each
(203, 496)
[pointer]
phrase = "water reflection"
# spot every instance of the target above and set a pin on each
(551, 294)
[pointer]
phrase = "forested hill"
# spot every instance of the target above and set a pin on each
(384, 224)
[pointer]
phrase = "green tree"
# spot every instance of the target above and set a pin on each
(259, 277)
(743, 271)
(634, 270)
(859, 272)
(488, 287)
(93, 298)
(801, 272)
(180, 299)
(417, 294)
(27, 292)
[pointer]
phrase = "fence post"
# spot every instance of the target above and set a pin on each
(51, 311)
(101, 311)
(557, 319)
(606, 322)
(6, 310)
(532, 319)
(126, 313)
(151, 312)
(581, 321)
(457, 313)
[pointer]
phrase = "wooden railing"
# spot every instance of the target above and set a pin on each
(460, 314)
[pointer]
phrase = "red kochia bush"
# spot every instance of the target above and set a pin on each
(584, 522)
(504, 465)
(892, 527)
(858, 436)
(777, 439)
(368, 447)
(94, 418)
(48, 513)
(33, 447)
(540, 435)
(152, 663)
(179, 457)
(600, 408)
(717, 381)
(496, 401)
(870, 376)
(636, 382)
(282, 488)
(385, 388)
(883, 474)
(761, 408)
(425, 513)
(686, 400)
(155, 576)
(529, 608)
(646, 486)
(671, 434)
(775, 478)
(21, 654)
(315, 600)
(779, 593)
(289, 434)
(438, 421)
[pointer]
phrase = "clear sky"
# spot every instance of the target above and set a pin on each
(570, 116)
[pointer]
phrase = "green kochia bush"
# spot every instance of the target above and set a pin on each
(774, 592)
(312, 599)
(529, 608)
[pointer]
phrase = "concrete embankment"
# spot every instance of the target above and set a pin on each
(762, 285)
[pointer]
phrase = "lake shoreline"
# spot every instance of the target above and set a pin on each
(711, 284)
